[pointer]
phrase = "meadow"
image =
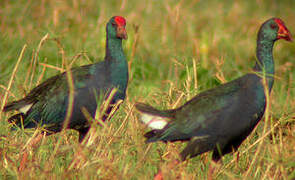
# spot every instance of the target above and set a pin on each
(175, 50)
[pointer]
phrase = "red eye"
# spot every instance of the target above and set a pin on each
(273, 26)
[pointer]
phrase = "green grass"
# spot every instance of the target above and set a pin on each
(165, 38)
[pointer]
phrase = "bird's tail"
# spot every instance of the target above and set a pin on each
(155, 119)
(12, 106)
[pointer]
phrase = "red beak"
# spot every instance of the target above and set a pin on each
(121, 32)
(283, 32)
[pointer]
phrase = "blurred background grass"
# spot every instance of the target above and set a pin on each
(167, 39)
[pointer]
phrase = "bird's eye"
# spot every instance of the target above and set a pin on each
(273, 26)
(114, 24)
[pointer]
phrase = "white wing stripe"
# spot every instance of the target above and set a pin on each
(154, 122)
(25, 108)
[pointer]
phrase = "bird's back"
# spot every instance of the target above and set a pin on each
(50, 100)
(219, 113)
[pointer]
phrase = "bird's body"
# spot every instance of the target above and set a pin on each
(225, 115)
(47, 104)
(220, 119)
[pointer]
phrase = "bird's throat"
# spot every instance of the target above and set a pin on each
(114, 50)
(265, 63)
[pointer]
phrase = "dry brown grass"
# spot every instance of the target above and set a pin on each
(175, 49)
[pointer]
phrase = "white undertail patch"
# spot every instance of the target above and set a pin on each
(26, 108)
(154, 122)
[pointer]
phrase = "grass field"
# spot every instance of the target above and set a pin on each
(175, 50)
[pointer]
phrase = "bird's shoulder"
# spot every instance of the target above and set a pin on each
(210, 97)
(208, 104)
(59, 84)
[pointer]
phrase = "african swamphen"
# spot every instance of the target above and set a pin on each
(221, 118)
(47, 104)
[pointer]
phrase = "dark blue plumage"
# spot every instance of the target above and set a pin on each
(220, 119)
(47, 104)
